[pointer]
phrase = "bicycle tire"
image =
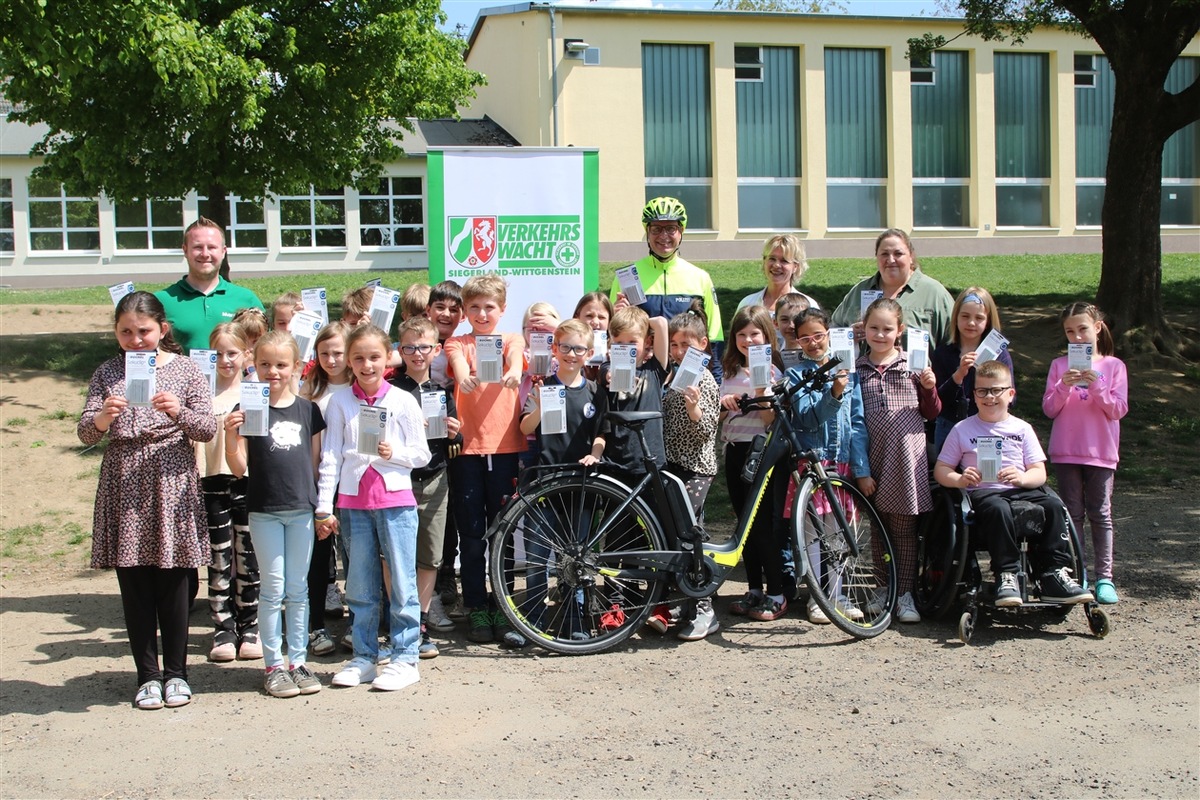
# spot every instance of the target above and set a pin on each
(856, 592)
(557, 597)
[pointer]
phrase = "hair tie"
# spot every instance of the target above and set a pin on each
(973, 298)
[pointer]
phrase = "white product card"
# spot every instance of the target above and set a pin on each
(631, 285)
(372, 427)
(989, 449)
(689, 371)
(622, 367)
(918, 350)
(304, 327)
(256, 400)
(383, 307)
(206, 360)
(433, 407)
(316, 301)
(599, 347)
(1079, 356)
(540, 359)
(117, 291)
(865, 298)
(374, 282)
(989, 349)
(489, 352)
(760, 365)
(841, 347)
(139, 378)
(554, 409)
(790, 358)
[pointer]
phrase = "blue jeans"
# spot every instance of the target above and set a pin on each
(392, 533)
(481, 484)
(283, 543)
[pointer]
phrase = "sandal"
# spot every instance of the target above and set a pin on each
(149, 696)
(178, 693)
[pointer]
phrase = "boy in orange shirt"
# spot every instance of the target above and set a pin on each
(487, 369)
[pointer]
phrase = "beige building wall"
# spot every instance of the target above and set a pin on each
(601, 106)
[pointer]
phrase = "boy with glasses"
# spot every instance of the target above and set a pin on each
(1019, 474)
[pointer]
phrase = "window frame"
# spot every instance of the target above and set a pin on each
(149, 228)
(313, 227)
(8, 232)
(64, 229)
(930, 69)
(1085, 78)
(739, 66)
(392, 227)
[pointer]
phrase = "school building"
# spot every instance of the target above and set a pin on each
(759, 122)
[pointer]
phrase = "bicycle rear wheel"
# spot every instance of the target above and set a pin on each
(580, 586)
(856, 591)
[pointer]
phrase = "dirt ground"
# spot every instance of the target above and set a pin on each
(784, 709)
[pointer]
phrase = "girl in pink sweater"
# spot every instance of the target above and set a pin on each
(1086, 406)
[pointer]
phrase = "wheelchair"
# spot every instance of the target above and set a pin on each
(949, 575)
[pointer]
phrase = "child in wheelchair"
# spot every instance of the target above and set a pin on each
(993, 484)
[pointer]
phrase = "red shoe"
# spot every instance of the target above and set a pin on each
(769, 610)
(612, 620)
(660, 619)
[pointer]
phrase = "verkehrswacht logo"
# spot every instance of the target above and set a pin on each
(516, 245)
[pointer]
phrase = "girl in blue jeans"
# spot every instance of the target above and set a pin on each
(280, 497)
(376, 437)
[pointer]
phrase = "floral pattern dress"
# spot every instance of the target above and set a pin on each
(149, 507)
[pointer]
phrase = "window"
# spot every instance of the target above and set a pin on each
(921, 69)
(768, 143)
(941, 145)
(7, 239)
(247, 223)
(392, 215)
(317, 219)
(1085, 70)
(677, 120)
(747, 63)
(855, 138)
(59, 222)
(149, 225)
(1022, 97)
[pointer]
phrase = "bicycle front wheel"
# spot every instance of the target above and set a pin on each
(849, 568)
(568, 566)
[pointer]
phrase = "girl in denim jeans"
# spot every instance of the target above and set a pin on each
(377, 508)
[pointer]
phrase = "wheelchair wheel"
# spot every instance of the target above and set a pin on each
(941, 557)
(857, 591)
(1097, 621)
(573, 592)
(966, 627)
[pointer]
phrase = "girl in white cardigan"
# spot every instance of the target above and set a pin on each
(375, 437)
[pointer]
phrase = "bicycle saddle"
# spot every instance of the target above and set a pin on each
(634, 419)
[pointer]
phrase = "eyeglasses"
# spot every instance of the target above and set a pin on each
(991, 391)
(661, 230)
(413, 349)
(816, 338)
(572, 349)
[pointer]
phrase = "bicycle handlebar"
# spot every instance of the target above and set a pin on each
(785, 389)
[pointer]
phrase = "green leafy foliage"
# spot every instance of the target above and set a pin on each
(152, 98)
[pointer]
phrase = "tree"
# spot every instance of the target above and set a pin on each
(149, 99)
(1141, 39)
(786, 6)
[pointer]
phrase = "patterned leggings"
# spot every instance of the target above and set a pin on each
(903, 530)
(233, 574)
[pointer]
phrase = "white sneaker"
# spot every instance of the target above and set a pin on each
(905, 610)
(875, 605)
(396, 676)
(849, 610)
(436, 617)
(356, 671)
(704, 624)
(815, 615)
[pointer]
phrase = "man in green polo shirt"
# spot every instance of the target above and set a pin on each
(202, 299)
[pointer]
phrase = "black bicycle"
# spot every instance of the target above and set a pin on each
(579, 560)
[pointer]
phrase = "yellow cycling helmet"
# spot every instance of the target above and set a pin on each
(664, 209)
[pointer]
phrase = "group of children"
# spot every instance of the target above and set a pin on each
(363, 445)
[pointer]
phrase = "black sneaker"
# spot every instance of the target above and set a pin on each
(479, 626)
(1008, 591)
(500, 627)
(1059, 587)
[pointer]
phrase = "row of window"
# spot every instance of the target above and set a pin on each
(678, 140)
(389, 216)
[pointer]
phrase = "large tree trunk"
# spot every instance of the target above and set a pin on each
(218, 204)
(1130, 290)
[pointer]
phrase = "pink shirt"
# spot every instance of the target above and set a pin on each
(1020, 448)
(372, 492)
(1087, 422)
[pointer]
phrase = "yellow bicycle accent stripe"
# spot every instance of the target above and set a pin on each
(731, 559)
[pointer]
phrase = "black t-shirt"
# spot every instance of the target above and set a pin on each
(583, 423)
(280, 465)
(621, 443)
